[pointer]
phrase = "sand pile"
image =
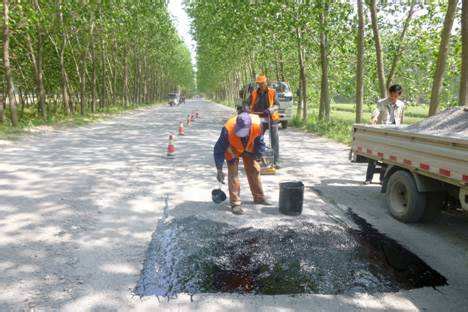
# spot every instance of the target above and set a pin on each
(452, 122)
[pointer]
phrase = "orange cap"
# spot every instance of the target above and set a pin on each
(261, 79)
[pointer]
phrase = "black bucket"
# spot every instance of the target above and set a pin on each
(291, 197)
(218, 196)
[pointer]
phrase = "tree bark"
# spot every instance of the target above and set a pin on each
(398, 52)
(302, 104)
(6, 64)
(463, 97)
(378, 48)
(2, 115)
(442, 57)
(324, 110)
(63, 72)
(125, 87)
(360, 64)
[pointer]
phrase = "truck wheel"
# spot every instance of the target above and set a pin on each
(284, 124)
(434, 203)
(405, 202)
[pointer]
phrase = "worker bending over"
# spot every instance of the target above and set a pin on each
(264, 103)
(241, 136)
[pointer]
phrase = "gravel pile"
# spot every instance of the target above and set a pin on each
(452, 122)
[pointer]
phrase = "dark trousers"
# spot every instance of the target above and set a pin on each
(274, 139)
(371, 169)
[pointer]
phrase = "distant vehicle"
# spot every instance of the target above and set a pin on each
(285, 98)
(173, 99)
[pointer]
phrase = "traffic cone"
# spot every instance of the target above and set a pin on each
(181, 128)
(171, 147)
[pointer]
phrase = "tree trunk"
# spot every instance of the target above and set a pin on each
(63, 71)
(378, 48)
(463, 97)
(281, 64)
(324, 110)
(302, 78)
(442, 57)
(360, 64)
(125, 87)
(82, 82)
(2, 118)
(6, 64)
(398, 52)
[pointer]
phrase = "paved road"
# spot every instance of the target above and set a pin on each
(78, 208)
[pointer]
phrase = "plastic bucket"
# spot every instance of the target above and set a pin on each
(291, 198)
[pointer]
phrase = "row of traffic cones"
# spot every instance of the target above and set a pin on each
(171, 147)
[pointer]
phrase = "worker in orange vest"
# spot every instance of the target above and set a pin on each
(241, 137)
(264, 102)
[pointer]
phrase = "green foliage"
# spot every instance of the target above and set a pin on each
(238, 39)
(131, 47)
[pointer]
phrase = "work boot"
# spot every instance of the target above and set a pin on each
(262, 202)
(237, 210)
(277, 166)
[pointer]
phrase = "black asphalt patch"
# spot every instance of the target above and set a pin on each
(193, 255)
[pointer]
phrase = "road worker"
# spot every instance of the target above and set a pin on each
(264, 102)
(241, 137)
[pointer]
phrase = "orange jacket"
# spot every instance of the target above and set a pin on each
(236, 148)
(271, 101)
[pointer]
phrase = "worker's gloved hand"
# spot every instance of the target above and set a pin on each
(220, 176)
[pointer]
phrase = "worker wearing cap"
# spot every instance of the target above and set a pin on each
(241, 137)
(264, 102)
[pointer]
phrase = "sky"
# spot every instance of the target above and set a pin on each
(182, 24)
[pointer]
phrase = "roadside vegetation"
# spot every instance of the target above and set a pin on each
(74, 61)
(336, 51)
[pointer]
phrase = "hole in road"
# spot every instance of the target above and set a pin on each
(192, 256)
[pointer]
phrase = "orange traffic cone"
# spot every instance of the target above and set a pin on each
(181, 128)
(171, 147)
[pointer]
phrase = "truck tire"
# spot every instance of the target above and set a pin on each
(284, 124)
(404, 201)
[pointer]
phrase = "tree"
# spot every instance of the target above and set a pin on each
(360, 63)
(463, 97)
(398, 52)
(378, 48)
(442, 57)
(324, 109)
(6, 64)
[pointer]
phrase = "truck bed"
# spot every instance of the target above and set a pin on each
(443, 157)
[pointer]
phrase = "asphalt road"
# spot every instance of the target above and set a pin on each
(78, 208)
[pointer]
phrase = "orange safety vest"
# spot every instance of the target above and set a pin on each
(271, 101)
(236, 148)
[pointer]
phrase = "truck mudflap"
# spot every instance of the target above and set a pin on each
(463, 194)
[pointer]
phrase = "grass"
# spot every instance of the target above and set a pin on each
(417, 111)
(339, 127)
(30, 120)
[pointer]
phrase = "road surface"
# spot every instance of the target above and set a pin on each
(78, 208)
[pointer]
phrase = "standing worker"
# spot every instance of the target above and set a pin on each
(241, 136)
(264, 102)
(389, 111)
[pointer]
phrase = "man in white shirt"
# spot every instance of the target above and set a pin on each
(389, 111)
